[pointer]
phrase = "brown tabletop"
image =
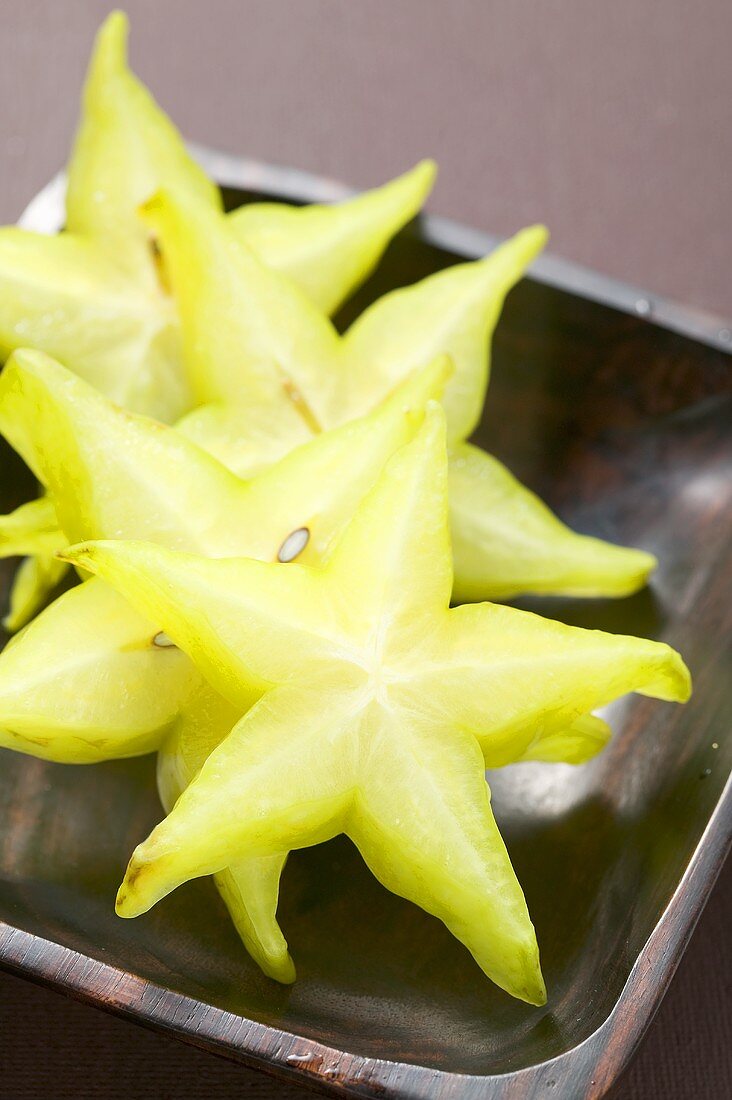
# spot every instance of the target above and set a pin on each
(611, 123)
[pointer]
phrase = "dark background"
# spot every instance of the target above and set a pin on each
(612, 123)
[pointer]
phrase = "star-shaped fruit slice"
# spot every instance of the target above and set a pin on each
(381, 706)
(250, 886)
(329, 250)
(93, 296)
(32, 533)
(126, 148)
(109, 473)
(121, 688)
(117, 690)
(259, 353)
(31, 529)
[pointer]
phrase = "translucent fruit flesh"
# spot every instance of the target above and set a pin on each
(383, 709)
(295, 374)
(98, 297)
(115, 474)
(116, 692)
(93, 296)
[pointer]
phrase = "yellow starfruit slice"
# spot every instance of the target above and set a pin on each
(294, 372)
(66, 296)
(121, 688)
(275, 345)
(328, 251)
(112, 473)
(248, 330)
(87, 680)
(249, 887)
(32, 532)
(501, 532)
(382, 706)
(31, 529)
(93, 298)
(125, 148)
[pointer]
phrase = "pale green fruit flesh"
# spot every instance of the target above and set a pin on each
(249, 887)
(31, 529)
(116, 692)
(247, 439)
(576, 744)
(117, 475)
(36, 578)
(297, 376)
(507, 542)
(94, 298)
(247, 331)
(64, 295)
(329, 250)
(125, 149)
(77, 685)
(384, 708)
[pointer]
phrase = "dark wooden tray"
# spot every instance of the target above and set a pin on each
(617, 408)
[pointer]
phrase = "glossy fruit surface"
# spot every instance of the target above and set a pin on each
(328, 251)
(296, 376)
(252, 288)
(314, 676)
(117, 691)
(95, 297)
(381, 707)
(121, 689)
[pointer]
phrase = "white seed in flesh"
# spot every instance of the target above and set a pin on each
(293, 545)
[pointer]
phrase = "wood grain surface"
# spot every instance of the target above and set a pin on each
(525, 88)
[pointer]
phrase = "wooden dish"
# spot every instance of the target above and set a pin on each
(617, 409)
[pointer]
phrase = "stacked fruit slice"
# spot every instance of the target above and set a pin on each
(278, 626)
